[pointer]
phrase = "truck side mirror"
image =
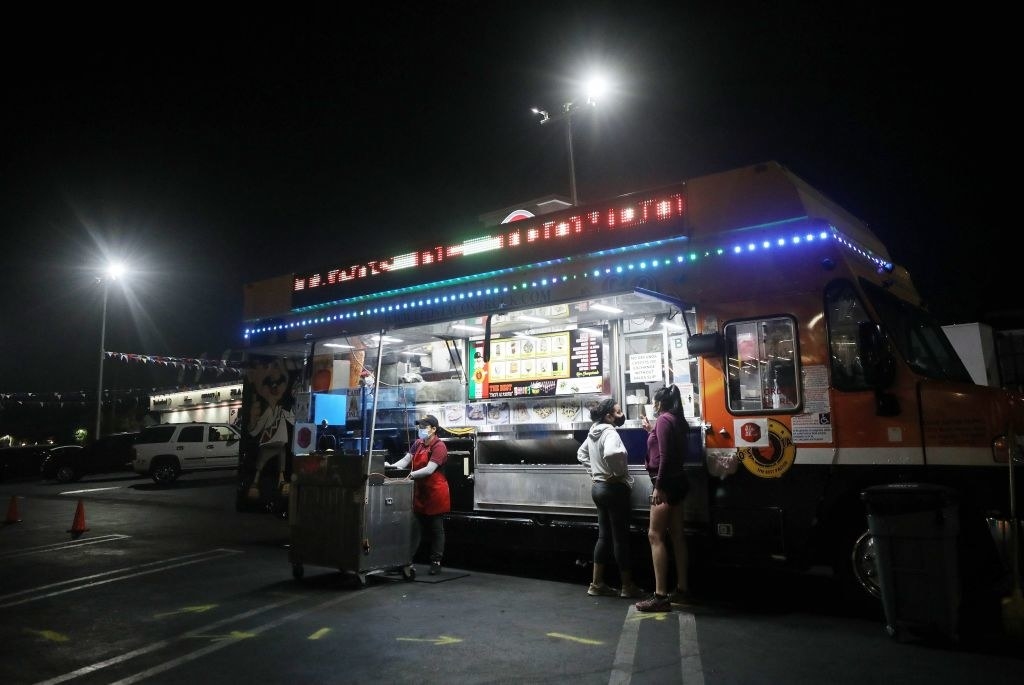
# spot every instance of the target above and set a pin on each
(877, 360)
(705, 345)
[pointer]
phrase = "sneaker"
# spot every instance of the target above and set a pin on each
(680, 597)
(602, 590)
(655, 602)
(632, 592)
(435, 568)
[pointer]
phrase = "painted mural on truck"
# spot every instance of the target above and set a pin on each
(268, 423)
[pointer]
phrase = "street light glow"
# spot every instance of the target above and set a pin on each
(596, 87)
(115, 270)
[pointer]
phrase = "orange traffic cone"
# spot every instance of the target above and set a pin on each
(12, 511)
(78, 525)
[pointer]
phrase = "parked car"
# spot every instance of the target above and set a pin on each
(69, 463)
(165, 451)
(21, 462)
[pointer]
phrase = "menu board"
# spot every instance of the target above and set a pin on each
(563, 363)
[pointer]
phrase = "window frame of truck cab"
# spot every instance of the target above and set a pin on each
(844, 312)
(917, 336)
(750, 384)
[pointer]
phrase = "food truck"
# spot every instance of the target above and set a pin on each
(808, 368)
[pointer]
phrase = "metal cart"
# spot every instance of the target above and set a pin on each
(342, 517)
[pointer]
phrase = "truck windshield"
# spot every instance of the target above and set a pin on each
(917, 336)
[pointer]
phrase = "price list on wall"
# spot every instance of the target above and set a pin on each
(585, 355)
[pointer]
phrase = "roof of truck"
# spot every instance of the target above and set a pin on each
(763, 194)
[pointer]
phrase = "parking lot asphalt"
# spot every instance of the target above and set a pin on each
(172, 585)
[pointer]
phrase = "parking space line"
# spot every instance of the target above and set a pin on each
(625, 653)
(689, 650)
(79, 492)
(252, 632)
(56, 546)
(163, 565)
(100, 665)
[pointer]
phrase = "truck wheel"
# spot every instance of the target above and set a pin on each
(165, 471)
(854, 566)
(66, 474)
(864, 560)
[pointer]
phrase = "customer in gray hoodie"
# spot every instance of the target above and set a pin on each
(604, 456)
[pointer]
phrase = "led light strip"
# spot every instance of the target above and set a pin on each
(739, 248)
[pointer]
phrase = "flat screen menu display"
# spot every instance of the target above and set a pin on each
(543, 365)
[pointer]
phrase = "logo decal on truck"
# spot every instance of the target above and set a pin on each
(774, 460)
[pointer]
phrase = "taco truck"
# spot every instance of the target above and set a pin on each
(808, 367)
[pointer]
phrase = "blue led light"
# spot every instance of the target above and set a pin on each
(553, 280)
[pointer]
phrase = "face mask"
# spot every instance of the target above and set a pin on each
(423, 433)
(619, 420)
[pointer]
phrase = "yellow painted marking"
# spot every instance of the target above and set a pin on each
(442, 640)
(319, 634)
(187, 610)
(50, 635)
(655, 615)
(233, 635)
(581, 640)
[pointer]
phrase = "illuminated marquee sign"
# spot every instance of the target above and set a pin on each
(573, 232)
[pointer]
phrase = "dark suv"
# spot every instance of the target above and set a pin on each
(70, 462)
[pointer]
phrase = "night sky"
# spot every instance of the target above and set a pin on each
(210, 150)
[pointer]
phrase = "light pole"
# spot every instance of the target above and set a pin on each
(595, 87)
(112, 273)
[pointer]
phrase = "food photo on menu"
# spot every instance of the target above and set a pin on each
(454, 414)
(569, 411)
(536, 411)
(498, 413)
(476, 414)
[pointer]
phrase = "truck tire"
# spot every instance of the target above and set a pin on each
(855, 571)
(165, 470)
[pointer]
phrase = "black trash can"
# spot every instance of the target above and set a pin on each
(915, 528)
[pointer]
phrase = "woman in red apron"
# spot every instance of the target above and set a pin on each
(431, 500)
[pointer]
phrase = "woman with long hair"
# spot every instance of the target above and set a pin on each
(666, 452)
